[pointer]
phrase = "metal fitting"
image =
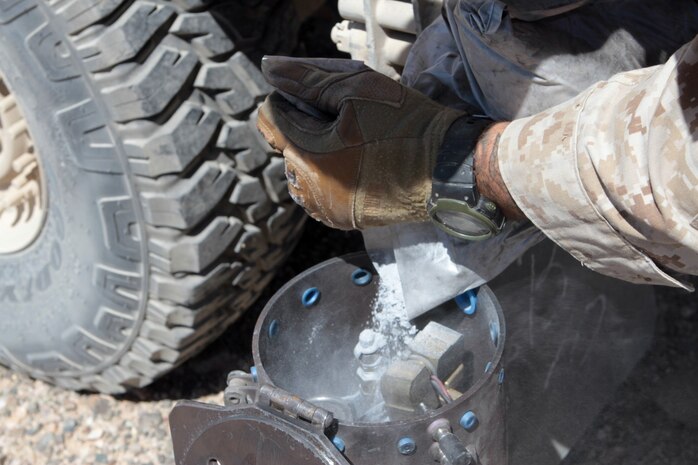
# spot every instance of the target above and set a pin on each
(370, 343)
(273, 328)
(448, 448)
(467, 302)
(339, 444)
(361, 277)
(368, 352)
(469, 420)
(406, 446)
(310, 297)
(241, 389)
(494, 333)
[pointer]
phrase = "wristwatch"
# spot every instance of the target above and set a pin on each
(456, 205)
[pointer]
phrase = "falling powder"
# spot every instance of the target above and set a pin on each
(389, 315)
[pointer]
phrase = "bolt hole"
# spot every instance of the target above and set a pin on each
(361, 277)
(406, 446)
(469, 420)
(274, 328)
(310, 297)
(213, 462)
(339, 444)
(494, 333)
(467, 302)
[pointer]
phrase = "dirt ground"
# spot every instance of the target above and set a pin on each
(653, 418)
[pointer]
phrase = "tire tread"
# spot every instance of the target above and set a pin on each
(183, 101)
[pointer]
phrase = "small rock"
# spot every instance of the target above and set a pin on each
(33, 407)
(32, 430)
(101, 407)
(94, 434)
(45, 443)
(69, 425)
(149, 421)
(101, 458)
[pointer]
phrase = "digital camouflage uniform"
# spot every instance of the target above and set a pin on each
(612, 175)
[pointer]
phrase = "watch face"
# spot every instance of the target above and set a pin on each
(462, 223)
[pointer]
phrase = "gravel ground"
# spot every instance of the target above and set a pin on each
(653, 419)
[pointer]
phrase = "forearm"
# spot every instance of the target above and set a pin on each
(612, 175)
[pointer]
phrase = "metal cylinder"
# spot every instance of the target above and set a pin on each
(313, 357)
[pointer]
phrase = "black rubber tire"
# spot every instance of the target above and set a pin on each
(167, 213)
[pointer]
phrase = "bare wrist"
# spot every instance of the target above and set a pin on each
(487, 174)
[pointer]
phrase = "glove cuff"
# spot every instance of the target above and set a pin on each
(395, 188)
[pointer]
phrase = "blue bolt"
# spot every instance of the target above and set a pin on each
(253, 372)
(310, 296)
(467, 302)
(494, 332)
(339, 444)
(274, 328)
(361, 277)
(406, 446)
(488, 367)
(469, 420)
(500, 378)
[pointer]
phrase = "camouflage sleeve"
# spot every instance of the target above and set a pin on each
(612, 175)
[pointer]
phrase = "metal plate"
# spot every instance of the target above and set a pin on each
(205, 434)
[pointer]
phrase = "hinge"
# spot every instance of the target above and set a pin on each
(293, 406)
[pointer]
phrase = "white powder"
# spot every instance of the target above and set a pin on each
(389, 315)
(392, 331)
(389, 330)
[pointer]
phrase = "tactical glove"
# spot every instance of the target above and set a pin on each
(359, 147)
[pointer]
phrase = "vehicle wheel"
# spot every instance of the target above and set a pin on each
(140, 210)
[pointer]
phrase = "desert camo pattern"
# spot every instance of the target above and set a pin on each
(612, 175)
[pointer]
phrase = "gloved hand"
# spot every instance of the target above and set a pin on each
(363, 153)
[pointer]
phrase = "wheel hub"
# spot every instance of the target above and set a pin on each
(22, 192)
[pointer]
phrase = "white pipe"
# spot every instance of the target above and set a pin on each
(352, 10)
(396, 15)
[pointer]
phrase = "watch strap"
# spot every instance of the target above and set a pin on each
(454, 161)
(453, 176)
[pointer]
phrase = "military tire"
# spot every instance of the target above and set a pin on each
(166, 213)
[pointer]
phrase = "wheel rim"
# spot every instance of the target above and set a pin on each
(22, 190)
